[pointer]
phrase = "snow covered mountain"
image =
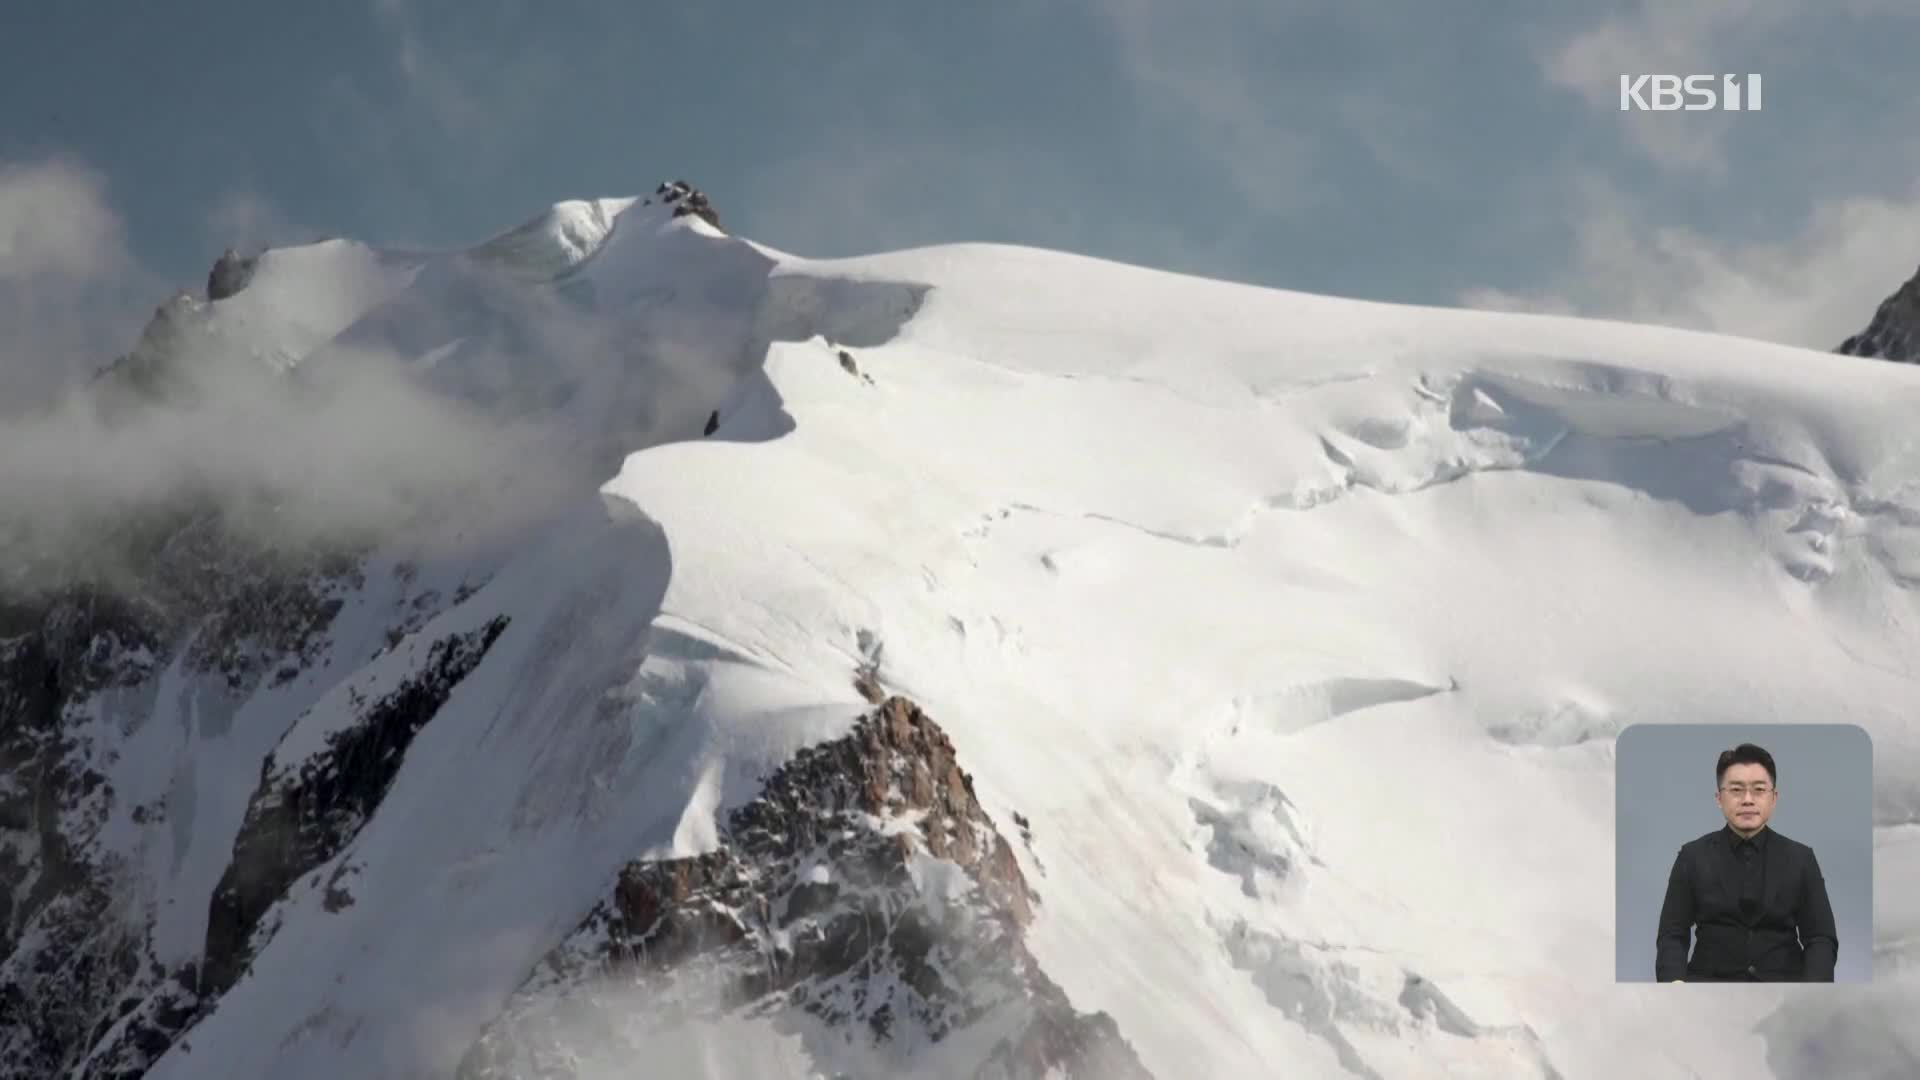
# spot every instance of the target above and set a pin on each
(968, 661)
(1894, 332)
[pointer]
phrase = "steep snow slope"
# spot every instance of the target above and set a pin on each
(303, 305)
(1296, 630)
(131, 740)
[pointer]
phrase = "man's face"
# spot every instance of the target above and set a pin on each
(1747, 797)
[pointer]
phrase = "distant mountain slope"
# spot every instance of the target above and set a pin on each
(1276, 643)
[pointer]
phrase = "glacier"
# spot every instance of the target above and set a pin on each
(1293, 630)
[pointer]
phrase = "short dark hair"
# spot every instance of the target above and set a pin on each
(1745, 754)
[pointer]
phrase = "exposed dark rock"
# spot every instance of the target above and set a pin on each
(64, 957)
(78, 983)
(847, 365)
(142, 1028)
(305, 812)
(1894, 332)
(337, 897)
(230, 274)
(713, 424)
(686, 199)
(1026, 831)
(825, 902)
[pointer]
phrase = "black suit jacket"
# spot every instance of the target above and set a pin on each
(1790, 939)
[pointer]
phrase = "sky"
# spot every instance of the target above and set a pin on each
(1457, 154)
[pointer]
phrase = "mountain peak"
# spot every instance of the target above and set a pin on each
(230, 274)
(487, 716)
(560, 238)
(568, 233)
(1894, 333)
(686, 199)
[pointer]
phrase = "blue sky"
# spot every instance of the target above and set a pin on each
(1443, 153)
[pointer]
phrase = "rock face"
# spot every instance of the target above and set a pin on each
(63, 955)
(305, 812)
(80, 989)
(229, 275)
(686, 199)
(863, 901)
(1894, 332)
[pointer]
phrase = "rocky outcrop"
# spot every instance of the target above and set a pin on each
(63, 955)
(686, 199)
(306, 812)
(152, 368)
(81, 992)
(1894, 332)
(864, 901)
(230, 274)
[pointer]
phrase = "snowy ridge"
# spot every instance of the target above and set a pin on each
(276, 308)
(556, 241)
(1265, 617)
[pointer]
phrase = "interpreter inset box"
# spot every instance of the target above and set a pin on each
(1743, 853)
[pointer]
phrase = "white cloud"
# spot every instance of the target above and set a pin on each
(456, 105)
(460, 84)
(1683, 37)
(1196, 62)
(71, 294)
(359, 443)
(1813, 288)
(55, 220)
(435, 85)
(248, 222)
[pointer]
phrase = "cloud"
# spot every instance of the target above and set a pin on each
(1812, 288)
(71, 294)
(1682, 37)
(284, 464)
(1201, 65)
(445, 94)
(458, 96)
(55, 221)
(248, 221)
(529, 403)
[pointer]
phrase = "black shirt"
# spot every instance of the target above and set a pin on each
(1751, 852)
(1751, 908)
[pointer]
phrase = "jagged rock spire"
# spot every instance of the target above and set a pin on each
(229, 275)
(1894, 333)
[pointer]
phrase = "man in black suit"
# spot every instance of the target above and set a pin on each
(1753, 901)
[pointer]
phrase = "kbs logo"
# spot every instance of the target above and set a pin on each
(1694, 93)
